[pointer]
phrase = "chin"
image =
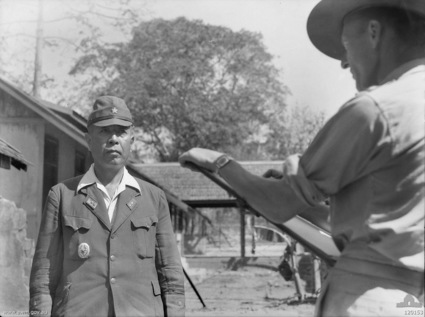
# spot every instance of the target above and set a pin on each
(361, 87)
(114, 163)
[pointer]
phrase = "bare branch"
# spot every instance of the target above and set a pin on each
(61, 39)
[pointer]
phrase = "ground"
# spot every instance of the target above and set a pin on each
(252, 290)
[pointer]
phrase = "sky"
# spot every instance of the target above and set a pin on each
(314, 79)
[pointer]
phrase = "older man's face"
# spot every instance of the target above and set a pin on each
(110, 146)
(360, 54)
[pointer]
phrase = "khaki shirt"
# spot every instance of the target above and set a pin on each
(369, 159)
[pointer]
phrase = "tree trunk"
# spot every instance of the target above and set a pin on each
(38, 52)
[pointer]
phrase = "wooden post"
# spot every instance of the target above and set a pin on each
(253, 234)
(242, 211)
(317, 274)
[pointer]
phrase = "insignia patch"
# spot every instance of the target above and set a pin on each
(131, 204)
(114, 110)
(83, 250)
(91, 203)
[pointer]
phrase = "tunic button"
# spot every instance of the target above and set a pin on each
(112, 257)
(112, 236)
(113, 280)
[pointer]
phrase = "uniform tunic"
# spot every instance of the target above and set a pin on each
(84, 265)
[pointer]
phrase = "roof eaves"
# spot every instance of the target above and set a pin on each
(17, 159)
(42, 110)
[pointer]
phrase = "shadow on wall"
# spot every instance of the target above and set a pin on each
(16, 252)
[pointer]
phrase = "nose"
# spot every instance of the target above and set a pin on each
(344, 62)
(113, 139)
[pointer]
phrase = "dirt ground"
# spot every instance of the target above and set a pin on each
(252, 290)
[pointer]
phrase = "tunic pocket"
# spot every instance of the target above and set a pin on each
(144, 235)
(75, 236)
(158, 304)
(61, 300)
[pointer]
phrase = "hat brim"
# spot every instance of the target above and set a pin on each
(324, 24)
(113, 121)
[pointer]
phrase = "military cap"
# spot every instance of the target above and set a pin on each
(110, 110)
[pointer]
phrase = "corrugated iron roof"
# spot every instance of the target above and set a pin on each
(192, 186)
(16, 157)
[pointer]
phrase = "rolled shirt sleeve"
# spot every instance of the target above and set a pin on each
(352, 144)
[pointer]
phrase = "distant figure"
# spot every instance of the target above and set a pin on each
(368, 159)
(106, 246)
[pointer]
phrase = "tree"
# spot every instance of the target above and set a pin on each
(291, 131)
(88, 21)
(190, 84)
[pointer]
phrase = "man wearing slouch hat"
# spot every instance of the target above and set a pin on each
(106, 246)
(368, 160)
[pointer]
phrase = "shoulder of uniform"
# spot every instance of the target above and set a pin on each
(71, 183)
(146, 185)
(363, 102)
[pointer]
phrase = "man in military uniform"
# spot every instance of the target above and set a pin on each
(368, 159)
(106, 245)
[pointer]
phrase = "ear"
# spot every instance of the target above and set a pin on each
(374, 30)
(132, 134)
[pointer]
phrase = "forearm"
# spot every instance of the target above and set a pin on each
(46, 264)
(170, 273)
(273, 198)
(169, 268)
(41, 298)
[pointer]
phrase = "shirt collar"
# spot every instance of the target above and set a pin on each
(401, 70)
(90, 178)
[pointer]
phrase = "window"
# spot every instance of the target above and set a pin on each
(80, 163)
(4, 161)
(51, 159)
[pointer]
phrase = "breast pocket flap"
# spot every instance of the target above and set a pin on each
(144, 222)
(77, 222)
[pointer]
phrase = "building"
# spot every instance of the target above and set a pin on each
(52, 139)
(195, 189)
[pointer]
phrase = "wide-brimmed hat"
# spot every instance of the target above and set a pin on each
(110, 110)
(324, 25)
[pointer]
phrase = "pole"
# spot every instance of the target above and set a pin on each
(38, 52)
(317, 274)
(242, 211)
(194, 288)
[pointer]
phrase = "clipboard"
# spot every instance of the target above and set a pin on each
(310, 233)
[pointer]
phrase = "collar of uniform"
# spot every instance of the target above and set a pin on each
(401, 70)
(90, 178)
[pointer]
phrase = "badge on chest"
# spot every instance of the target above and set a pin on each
(83, 250)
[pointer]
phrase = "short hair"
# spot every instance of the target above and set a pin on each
(407, 25)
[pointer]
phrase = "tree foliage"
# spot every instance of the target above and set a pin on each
(291, 131)
(61, 28)
(189, 84)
